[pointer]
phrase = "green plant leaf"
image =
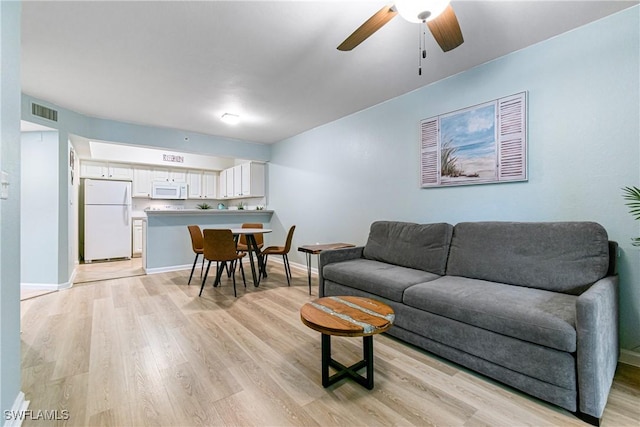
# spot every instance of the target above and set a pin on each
(632, 195)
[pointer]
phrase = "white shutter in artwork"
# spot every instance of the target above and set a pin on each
(512, 138)
(429, 158)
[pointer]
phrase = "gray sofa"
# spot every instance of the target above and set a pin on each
(533, 305)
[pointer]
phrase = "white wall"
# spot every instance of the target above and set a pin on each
(39, 206)
(584, 146)
(10, 208)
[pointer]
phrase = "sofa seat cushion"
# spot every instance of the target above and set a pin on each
(378, 278)
(534, 315)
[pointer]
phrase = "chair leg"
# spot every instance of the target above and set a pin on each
(202, 267)
(289, 266)
(264, 265)
(233, 275)
(195, 261)
(205, 279)
(219, 271)
(286, 269)
(242, 271)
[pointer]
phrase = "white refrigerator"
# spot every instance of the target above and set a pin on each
(107, 219)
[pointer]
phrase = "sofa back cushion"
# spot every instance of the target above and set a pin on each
(420, 246)
(557, 256)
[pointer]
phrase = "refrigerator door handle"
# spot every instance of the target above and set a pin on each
(127, 215)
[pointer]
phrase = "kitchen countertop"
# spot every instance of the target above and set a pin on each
(208, 212)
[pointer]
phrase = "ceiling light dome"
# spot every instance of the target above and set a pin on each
(231, 119)
(420, 10)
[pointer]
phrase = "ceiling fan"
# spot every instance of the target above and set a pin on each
(437, 14)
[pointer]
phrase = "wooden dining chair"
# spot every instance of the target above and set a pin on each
(220, 246)
(197, 244)
(280, 250)
(243, 244)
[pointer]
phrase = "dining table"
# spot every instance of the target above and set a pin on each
(250, 234)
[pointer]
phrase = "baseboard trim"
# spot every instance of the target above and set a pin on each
(157, 270)
(302, 267)
(49, 286)
(629, 357)
(16, 416)
(39, 286)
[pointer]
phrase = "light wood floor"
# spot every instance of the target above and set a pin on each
(102, 270)
(147, 350)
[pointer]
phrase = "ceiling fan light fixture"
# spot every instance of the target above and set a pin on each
(231, 119)
(420, 10)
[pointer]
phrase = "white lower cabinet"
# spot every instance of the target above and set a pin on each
(137, 240)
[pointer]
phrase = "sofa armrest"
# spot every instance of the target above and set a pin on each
(598, 350)
(335, 255)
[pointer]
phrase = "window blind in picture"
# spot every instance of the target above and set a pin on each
(486, 143)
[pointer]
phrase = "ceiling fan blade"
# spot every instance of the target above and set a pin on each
(371, 25)
(446, 30)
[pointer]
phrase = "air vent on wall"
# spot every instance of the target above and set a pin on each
(44, 112)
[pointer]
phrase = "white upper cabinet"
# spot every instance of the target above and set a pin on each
(202, 184)
(252, 179)
(170, 175)
(106, 170)
(120, 171)
(142, 179)
(210, 184)
(194, 184)
(230, 190)
(237, 181)
(223, 185)
(243, 181)
(93, 169)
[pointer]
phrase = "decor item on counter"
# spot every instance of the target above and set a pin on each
(241, 206)
(632, 194)
(204, 206)
(482, 144)
(259, 207)
(221, 206)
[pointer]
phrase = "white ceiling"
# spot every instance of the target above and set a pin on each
(182, 64)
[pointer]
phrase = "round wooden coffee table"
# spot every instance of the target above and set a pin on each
(348, 317)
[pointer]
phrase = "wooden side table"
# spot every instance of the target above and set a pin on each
(348, 317)
(315, 250)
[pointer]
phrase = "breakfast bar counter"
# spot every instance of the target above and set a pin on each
(182, 212)
(167, 243)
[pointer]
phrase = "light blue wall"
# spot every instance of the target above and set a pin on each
(39, 208)
(128, 133)
(10, 208)
(584, 97)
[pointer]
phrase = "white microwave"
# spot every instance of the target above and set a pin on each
(168, 190)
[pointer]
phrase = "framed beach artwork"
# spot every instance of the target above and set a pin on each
(483, 144)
